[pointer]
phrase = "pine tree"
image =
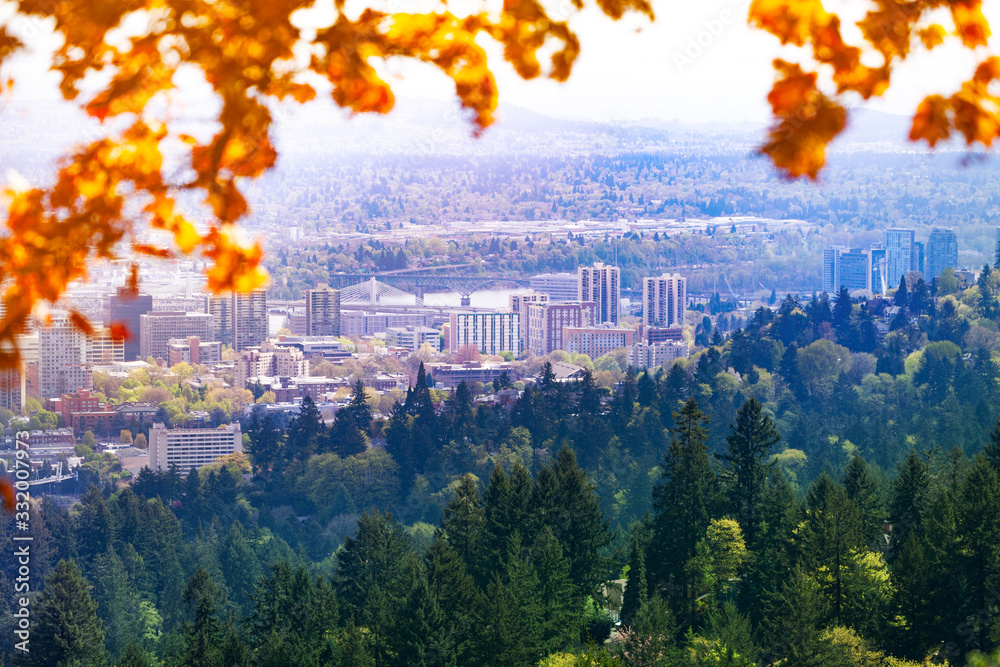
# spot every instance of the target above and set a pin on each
(979, 530)
(744, 463)
(909, 498)
(354, 647)
(134, 656)
(118, 605)
(557, 596)
(510, 633)
(422, 638)
(464, 524)
(793, 621)
(203, 629)
(637, 587)
(862, 488)
(901, 299)
(456, 594)
(685, 499)
(832, 533)
(67, 631)
(359, 407)
(305, 430)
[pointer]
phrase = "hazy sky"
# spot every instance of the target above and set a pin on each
(699, 61)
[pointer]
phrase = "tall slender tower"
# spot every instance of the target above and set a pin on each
(664, 299)
(601, 284)
(323, 311)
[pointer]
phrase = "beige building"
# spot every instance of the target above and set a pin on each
(519, 304)
(601, 284)
(191, 448)
(323, 311)
(156, 330)
(238, 319)
(664, 299)
(648, 356)
(490, 333)
(596, 341)
(546, 322)
(192, 351)
(269, 360)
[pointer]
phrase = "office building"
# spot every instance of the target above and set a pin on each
(103, 349)
(192, 350)
(156, 329)
(899, 255)
(942, 252)
(269, 360)
(66, 356)
(847, 267)
(361, 323)
(126, 306)
(602, 285)
(13, 387)
(328, 347)
(646, 356)
(323, 311)
(546, 322)
(413, 338)
(661, 334)
(191, 448)
(490, 333)
(239, 319)
(519, 304)
(596, 341)
(452, 375)
(664, 300)
(559, 286)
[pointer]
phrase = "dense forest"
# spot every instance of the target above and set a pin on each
(803, 491)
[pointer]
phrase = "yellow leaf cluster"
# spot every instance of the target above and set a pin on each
(244, 49)
(806, 124)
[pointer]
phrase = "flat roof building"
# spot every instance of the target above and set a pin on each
(191, 448)
(490, 333)
(156, 329)
(323, 311)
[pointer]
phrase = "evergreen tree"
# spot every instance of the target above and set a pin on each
(455, 592)
(203, 630)
(558, 598)
(685, 499)
(464, 524)
(979, 528)
(745, 468)
(359, 408)
(511, 630)
(832, 533)
(423, 638)
(134, 656)
(863, 488)
(909, 498)
(637, 587)
(305, 430)
(793, 623)
(901, 299)
(66, 631)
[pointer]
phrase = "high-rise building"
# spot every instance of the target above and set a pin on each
(847, 267)
(238, 318)
(559, 286)
(62, 359)
(601, 284)
(898, 254)
(664, 300)
(361, 323)
(490, 333)
(191, 448)
(125, 309)
(323, 311)
(519, 304)
(157, 328)
(546, 322)
(13, 387)
(942, 252)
